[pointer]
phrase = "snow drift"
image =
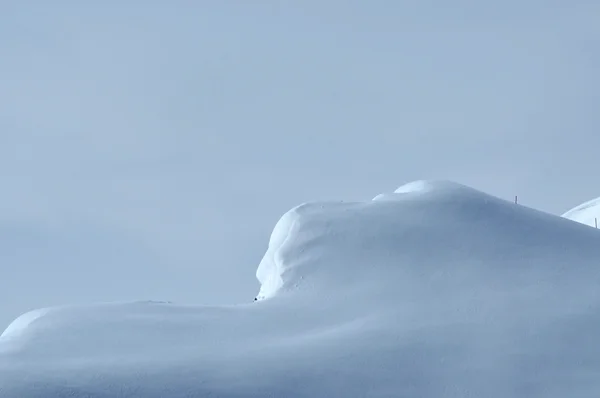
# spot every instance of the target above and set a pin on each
(436, 290)
(587, 213)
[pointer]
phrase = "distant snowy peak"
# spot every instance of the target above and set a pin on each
(586, 213)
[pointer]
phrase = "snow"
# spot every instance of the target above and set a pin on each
(22, 323)
(586, 213)
(435, 290)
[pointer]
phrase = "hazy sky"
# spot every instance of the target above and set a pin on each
(147, 148)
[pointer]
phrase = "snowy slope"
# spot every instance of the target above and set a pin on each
(586, 213)
(437, 290)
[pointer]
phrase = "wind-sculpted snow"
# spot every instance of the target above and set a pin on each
(436, 290)
(587, 213)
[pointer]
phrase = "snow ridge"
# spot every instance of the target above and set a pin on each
(434, 290)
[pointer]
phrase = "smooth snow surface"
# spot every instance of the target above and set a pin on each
(437, 290)
(586, 213)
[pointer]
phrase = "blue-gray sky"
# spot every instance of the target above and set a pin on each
(148, 148)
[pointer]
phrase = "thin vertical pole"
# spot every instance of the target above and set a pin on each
(596, 221)
(515, 199)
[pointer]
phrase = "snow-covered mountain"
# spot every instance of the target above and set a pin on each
(436, 290)
(586, 213)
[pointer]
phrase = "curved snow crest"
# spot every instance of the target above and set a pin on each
(23, 322)
(44, 319)
(586, 213)
(271, 268)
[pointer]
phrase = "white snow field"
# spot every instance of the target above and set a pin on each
(437, 290)
(586, 213)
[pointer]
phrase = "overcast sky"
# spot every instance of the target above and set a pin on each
(147, 148)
